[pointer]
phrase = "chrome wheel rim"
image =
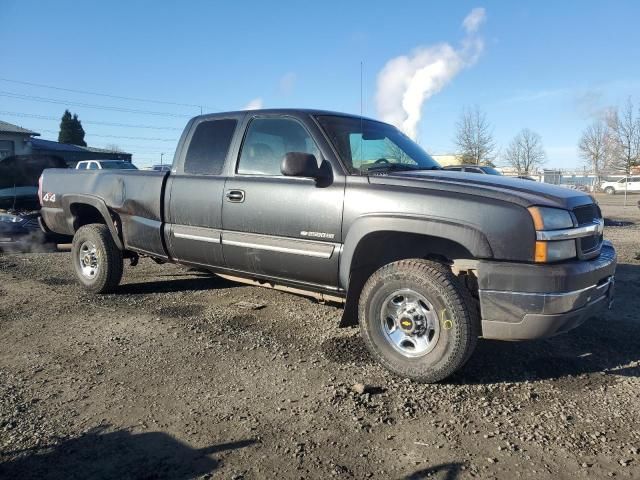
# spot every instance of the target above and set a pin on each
(88, 256)
(410, 323)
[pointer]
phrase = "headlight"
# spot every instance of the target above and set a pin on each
(545, 219)
(7, 217)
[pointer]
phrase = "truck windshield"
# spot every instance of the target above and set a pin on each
(369, 146)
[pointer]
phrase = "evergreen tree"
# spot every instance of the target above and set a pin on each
(78, 132)
(66, 128)
(71, 130)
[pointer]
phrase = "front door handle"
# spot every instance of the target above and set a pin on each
(235, 196)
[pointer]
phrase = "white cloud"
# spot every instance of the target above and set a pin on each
(407, 81)
(287, 83)
(472, 22)
(255, 104)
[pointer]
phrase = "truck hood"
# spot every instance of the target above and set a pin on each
(19, 176)
(515, 190)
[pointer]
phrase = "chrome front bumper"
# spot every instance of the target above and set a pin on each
(518, 315)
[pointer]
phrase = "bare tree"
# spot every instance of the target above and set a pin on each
(624, 129)
(113, 147)
(525, 152)
(596, 147)
(474, 137)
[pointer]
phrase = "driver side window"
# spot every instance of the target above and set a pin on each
(268, 140)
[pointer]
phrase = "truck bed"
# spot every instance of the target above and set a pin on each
(135, 197)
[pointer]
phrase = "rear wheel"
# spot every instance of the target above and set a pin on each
(97, 261)
(610, 191)
(417, 320)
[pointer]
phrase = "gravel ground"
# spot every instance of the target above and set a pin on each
(183, 375)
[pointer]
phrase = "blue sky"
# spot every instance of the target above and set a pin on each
(548, 66)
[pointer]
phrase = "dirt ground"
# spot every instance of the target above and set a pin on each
(182, 375)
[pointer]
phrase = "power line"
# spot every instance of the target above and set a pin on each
(91, 122)
(125, 138)
(107, 95)
(88, 105)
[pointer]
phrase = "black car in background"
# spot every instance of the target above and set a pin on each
(19, 202)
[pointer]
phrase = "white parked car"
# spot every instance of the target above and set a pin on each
(105, 165)
(611, 188)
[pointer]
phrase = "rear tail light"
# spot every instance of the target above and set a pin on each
(40, 189)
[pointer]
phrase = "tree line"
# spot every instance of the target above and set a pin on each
(610, 144)
(476, 145)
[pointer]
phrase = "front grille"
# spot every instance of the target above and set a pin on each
(31, 224)
(590, 244)
(585, 215)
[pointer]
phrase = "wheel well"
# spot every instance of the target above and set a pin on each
(380, 248)
(84, 214)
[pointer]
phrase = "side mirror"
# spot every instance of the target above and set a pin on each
(299, 164)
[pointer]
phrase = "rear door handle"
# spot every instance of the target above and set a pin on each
(235, 196)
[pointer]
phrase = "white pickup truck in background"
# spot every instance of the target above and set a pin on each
(629, 184)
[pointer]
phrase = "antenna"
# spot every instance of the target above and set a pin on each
(361, 96)
(361, 121)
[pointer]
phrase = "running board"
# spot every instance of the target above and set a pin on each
(321, 297)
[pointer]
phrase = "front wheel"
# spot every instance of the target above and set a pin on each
(610, 191)
(417, 320)
(97, 261)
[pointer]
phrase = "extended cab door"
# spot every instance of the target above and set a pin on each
(278, 226)
(195, 188)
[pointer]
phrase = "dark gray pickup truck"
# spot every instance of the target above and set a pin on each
(350, 210)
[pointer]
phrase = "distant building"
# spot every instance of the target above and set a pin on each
(15, 140)
(446, 159)
(73, 154)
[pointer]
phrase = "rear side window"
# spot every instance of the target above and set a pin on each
(209, 146)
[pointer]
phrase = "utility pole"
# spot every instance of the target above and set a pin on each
(161, 155)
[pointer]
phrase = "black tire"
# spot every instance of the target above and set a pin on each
(458, 319)
(610, 191)
(107, 256)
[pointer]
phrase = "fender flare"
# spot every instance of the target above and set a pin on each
(96, 202)
(467, 235)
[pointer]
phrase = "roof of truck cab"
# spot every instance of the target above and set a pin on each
(284, 111)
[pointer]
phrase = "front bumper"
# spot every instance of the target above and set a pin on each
(525, 301)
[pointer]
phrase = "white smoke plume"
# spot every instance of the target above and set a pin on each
(255, 104)
(407, 81)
